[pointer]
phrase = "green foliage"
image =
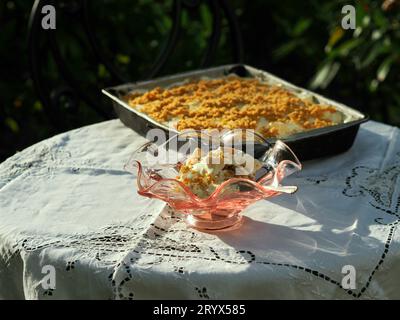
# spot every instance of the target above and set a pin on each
(360, 67)
(301, 41)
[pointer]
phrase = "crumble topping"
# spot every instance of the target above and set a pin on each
(234, 103)
(204, 172)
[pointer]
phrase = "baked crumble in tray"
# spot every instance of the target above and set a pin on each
(239, 96)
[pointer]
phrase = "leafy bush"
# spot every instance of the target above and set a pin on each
(301, 41)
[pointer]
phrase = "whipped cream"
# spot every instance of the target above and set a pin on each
(204, 172)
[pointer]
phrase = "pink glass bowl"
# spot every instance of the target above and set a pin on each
(222, 209)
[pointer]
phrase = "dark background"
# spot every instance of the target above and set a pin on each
(301, 41)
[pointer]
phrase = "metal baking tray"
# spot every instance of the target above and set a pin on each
(308, 145)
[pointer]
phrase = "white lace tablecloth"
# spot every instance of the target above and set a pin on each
(66, 202)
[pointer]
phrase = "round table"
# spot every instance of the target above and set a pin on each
(72, 226)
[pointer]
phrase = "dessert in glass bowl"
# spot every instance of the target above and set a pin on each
(212, 184)
(203, 173)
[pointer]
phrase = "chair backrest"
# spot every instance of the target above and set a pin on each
(66, 90)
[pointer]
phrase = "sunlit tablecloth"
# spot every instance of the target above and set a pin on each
(66, 202)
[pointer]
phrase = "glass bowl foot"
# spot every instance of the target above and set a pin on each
(214, 221)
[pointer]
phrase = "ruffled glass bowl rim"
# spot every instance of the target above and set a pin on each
(214, 195)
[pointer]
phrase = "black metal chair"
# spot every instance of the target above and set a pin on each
(61, 99)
